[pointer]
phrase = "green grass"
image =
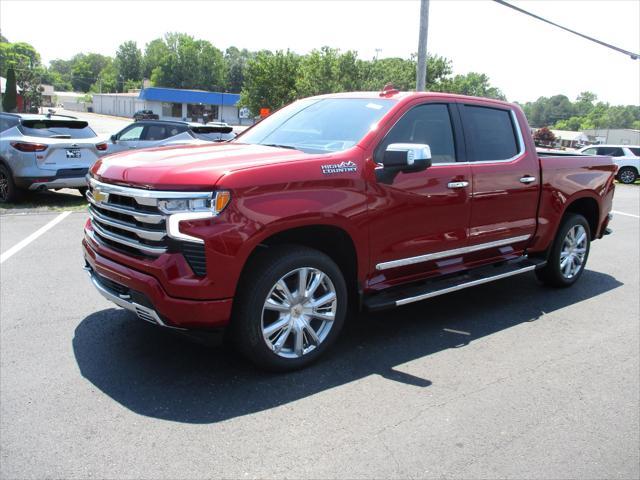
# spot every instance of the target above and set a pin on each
(66, 199)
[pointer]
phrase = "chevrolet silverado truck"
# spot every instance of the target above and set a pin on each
(360, 200)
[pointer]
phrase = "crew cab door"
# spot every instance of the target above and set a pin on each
(505, 175)
(419, 215)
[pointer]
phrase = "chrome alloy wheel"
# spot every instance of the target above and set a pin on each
(298, 313)
(627, 176)
(574, 249)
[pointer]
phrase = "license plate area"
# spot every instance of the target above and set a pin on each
(73, 153)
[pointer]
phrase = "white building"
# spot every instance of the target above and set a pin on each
(614, 136)
(171, 104)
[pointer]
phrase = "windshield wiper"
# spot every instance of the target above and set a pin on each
(277, 145)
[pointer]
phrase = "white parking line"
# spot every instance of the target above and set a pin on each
(20, 245)
(625, 214)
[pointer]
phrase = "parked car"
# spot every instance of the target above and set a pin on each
(39, 152)
(364, 199)
(157, 133)
(145, 115)
(626, 157)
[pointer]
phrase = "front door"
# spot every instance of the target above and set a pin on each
(420, 215)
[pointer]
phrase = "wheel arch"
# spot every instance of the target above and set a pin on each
(588, 207)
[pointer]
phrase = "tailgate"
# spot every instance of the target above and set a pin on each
(67, 153)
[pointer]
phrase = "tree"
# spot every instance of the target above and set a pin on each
(236, 63)
(86, 68)
(270, 80)
(475, 84)
(129, 61)
(9, 99)
(544, 136)
(14, 54)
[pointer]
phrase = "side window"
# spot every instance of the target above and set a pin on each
(155, 132)
(590, 151)
(492, 133)
(611, 151)
(132, 133)
(7, 122)
(428, 124)
(635, 151)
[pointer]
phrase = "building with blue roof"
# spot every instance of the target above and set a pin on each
(172, 104)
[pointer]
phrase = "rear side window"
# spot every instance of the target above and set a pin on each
(156, 132)
(590, 151)
(428, 124)
(491, 133)
(57, 129)
(7, 122)
(611, 151)
(635, 151)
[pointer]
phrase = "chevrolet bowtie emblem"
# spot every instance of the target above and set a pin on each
(99, 196)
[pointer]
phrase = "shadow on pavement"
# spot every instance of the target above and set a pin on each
(161, 375)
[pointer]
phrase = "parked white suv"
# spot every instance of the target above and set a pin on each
(627, 157)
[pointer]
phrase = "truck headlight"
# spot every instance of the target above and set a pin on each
(182, 209)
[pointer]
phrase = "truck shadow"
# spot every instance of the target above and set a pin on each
(162, 375)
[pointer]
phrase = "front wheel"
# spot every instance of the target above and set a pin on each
(290, 307)
(627, 175)
(569, 253)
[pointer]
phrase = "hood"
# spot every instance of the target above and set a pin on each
(187, 167)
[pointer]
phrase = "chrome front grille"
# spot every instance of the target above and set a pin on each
(128, 219)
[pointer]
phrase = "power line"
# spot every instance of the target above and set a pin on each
(634, 56)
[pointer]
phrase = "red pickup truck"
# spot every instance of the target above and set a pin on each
(367, 200)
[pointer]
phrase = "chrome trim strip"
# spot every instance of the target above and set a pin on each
(114, 237)
(156, 235)
(450, 253)
(138, 193)
(137, 214)
(144, 313)
(462, 286)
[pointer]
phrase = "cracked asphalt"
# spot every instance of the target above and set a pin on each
(507, 380)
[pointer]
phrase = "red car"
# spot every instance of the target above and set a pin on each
(370, 199)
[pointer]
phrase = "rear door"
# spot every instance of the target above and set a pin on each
(505, 181)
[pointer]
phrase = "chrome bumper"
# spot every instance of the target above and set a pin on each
(144, 313)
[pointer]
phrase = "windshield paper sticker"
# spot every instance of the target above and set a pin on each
(344, 167)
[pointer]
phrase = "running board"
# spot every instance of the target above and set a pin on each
(396, 297)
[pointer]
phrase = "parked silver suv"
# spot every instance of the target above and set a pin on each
(39, 152)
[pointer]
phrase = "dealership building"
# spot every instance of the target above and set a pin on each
(171, 104)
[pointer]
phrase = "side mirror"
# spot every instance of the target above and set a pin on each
(114, 138)
(403, 157)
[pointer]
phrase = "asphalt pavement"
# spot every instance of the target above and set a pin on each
(507, 380)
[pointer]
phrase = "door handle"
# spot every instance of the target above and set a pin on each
(527, 179)
(457, 184)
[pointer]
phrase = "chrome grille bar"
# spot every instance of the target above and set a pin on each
(154, 235)
(143, 217)
(114, 237)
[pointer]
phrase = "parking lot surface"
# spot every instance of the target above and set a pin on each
(507, 380)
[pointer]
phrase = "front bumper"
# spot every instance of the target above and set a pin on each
(144, 295)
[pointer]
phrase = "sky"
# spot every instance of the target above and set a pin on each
(523, 57)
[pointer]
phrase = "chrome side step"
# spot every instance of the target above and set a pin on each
(436, 287)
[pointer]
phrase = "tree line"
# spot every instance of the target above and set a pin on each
(585, 113)
(267, 79)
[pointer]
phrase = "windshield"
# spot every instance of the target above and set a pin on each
(57, 129)
(319, 125)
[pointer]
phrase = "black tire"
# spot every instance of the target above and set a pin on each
(627, 175)
(256, 286)
(551, 274)
(9, 192)
(83, 191)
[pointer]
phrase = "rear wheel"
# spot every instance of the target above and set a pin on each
(83, 191)
(569, 253)
(290, 308)
(9, 192)
(627, 175)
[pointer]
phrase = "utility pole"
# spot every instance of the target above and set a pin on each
(421, 82)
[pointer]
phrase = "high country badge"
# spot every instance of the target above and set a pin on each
(344, 167)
